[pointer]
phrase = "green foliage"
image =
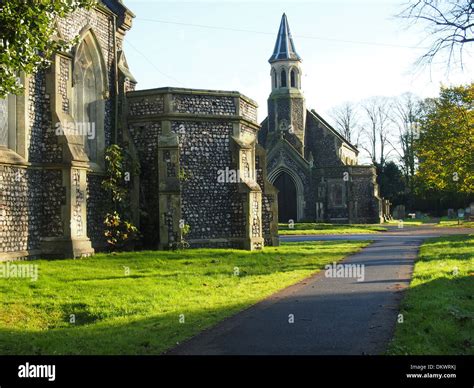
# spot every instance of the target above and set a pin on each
(182, 243)
(120, 168)
(114, 182)
(446, 149)
(27, 37)
(117, 230)
(183, 175)
(392, 183)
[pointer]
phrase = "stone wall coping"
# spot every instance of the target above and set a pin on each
(202, 92)
(19, 255)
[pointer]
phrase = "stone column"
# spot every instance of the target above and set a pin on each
(169, 187)
(244, 154)
(74, 166)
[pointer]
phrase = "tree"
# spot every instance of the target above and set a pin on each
(405, 114)
(445, 149)
(345, 117)
(449, 23)
(376, 129)
(392, 185)
(27, 37)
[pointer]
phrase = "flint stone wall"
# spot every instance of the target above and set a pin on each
(203, 124)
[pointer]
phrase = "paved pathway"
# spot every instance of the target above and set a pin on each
(331, 315)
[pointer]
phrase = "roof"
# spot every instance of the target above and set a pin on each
(284, 46)
(331, 129)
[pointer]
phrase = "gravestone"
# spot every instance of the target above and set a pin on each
(451, 213)
(399, 212)
(467, 213)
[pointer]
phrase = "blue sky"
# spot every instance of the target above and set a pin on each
(168, 52)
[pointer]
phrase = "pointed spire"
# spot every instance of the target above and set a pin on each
(284, 46)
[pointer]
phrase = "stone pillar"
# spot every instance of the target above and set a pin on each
(269, 199)
(74, 241)
(169, 187)
(244, 154)
(253, 213)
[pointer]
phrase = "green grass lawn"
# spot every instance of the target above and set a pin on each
(454, 224)
(438, 309)
(414, 221)
(140, 313)
(443, 222)
(305, 228)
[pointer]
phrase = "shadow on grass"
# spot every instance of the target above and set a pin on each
(438, 319)
(135, 336)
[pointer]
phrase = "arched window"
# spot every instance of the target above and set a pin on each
(274, 79)
(8, 122)
(88, 94)
(283, 79)
(293, 79)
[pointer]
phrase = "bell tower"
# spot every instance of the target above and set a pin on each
(286, 104)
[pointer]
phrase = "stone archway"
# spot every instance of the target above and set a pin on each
(290, 196)
(287, 208)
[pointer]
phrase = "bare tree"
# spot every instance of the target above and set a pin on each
(346, 118)
(405, 114)
(450, 25)
(376, 129)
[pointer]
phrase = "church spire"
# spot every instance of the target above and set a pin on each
(284, 46)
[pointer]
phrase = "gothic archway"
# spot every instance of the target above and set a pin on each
(287, 198)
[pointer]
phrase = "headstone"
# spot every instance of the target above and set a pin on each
(451, 213)
(399, 212)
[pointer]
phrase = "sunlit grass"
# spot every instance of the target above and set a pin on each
(306, 228)
(132, 303)
(438, 309)
(455, 224)
(414, 221)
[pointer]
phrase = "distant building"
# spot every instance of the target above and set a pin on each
(311, 164)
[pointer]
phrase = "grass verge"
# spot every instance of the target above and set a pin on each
(438, 308)
(132, 303)
(455, 224)
(306, 228)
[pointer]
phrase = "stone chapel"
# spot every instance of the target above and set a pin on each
(311, 164)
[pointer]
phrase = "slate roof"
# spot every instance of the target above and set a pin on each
(284, 46)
